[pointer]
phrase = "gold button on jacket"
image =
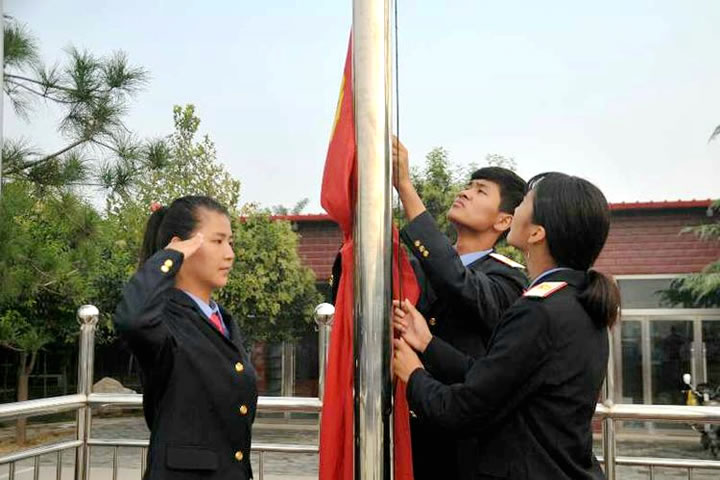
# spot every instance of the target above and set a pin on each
(243, 410)
(239, 367)
(239, 456)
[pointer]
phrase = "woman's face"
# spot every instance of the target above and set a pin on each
(521, 228)
(211, 264)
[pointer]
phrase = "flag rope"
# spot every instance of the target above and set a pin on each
(398, 205)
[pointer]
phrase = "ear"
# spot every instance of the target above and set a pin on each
(502, 222)
(537, 235)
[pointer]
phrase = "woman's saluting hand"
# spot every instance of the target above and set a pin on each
(186, 247)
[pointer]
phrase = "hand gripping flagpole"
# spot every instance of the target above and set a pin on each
(373, 253)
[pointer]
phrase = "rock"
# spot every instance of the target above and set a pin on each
(110, 385)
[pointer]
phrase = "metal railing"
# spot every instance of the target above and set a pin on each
(609, 414)
(84, 401)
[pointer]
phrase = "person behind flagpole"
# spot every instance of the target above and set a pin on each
(465, 287)
(530, 400)
(199, 387)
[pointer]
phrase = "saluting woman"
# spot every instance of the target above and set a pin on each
(528, 404)
(199, 387)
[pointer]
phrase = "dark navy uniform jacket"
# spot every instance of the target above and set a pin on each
(199, 386)
(462, 304)
(528, 403)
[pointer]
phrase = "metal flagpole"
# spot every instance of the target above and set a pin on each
(373, 255)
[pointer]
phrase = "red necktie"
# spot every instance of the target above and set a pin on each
(217, 323)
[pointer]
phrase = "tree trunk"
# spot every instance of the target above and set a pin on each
(27, 362)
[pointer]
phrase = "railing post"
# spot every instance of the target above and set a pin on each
(323, 315)
(88, 317)
(609, 422)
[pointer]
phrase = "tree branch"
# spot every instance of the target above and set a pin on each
(35, 163)
(10, 347)
(48, 86)
(105, 145)
(41, 94)
(38, 82)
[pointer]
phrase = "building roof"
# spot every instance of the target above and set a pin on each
(645, 238)
(661, 205)
(310, 217)
(615, 207)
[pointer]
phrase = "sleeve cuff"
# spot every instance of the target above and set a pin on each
(414, 229)
(416, 376)
(430, 355)
(424, 239)
(167, 262)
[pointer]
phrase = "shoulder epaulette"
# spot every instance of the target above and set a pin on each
(545, 289)
(507, 261)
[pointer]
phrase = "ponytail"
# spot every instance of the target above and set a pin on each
(152, 228)
(601, 299)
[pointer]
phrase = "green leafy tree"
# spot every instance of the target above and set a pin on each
(495, 160)
(91, 95)
(47, 254)
(437, 183)
(700, 290)
(296, 210)
(271, 293)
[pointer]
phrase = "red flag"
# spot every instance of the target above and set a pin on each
(339, 192)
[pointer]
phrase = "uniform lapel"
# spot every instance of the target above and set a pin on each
(202, 323)
(233, 329)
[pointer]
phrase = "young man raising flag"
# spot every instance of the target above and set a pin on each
(465, 287)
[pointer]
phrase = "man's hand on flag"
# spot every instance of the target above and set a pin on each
(401, 168)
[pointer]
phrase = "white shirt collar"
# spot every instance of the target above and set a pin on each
(471, 257)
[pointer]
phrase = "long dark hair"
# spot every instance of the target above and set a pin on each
(180, 219)
(576, 217)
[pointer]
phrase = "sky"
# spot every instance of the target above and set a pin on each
(622, 93)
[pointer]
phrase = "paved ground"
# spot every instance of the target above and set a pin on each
(674, 444)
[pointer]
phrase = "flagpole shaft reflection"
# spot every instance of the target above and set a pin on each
(373, 389)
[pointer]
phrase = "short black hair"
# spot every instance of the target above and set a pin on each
(512, 187)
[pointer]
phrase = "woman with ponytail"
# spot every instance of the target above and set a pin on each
(527, 406)
(199, 392)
